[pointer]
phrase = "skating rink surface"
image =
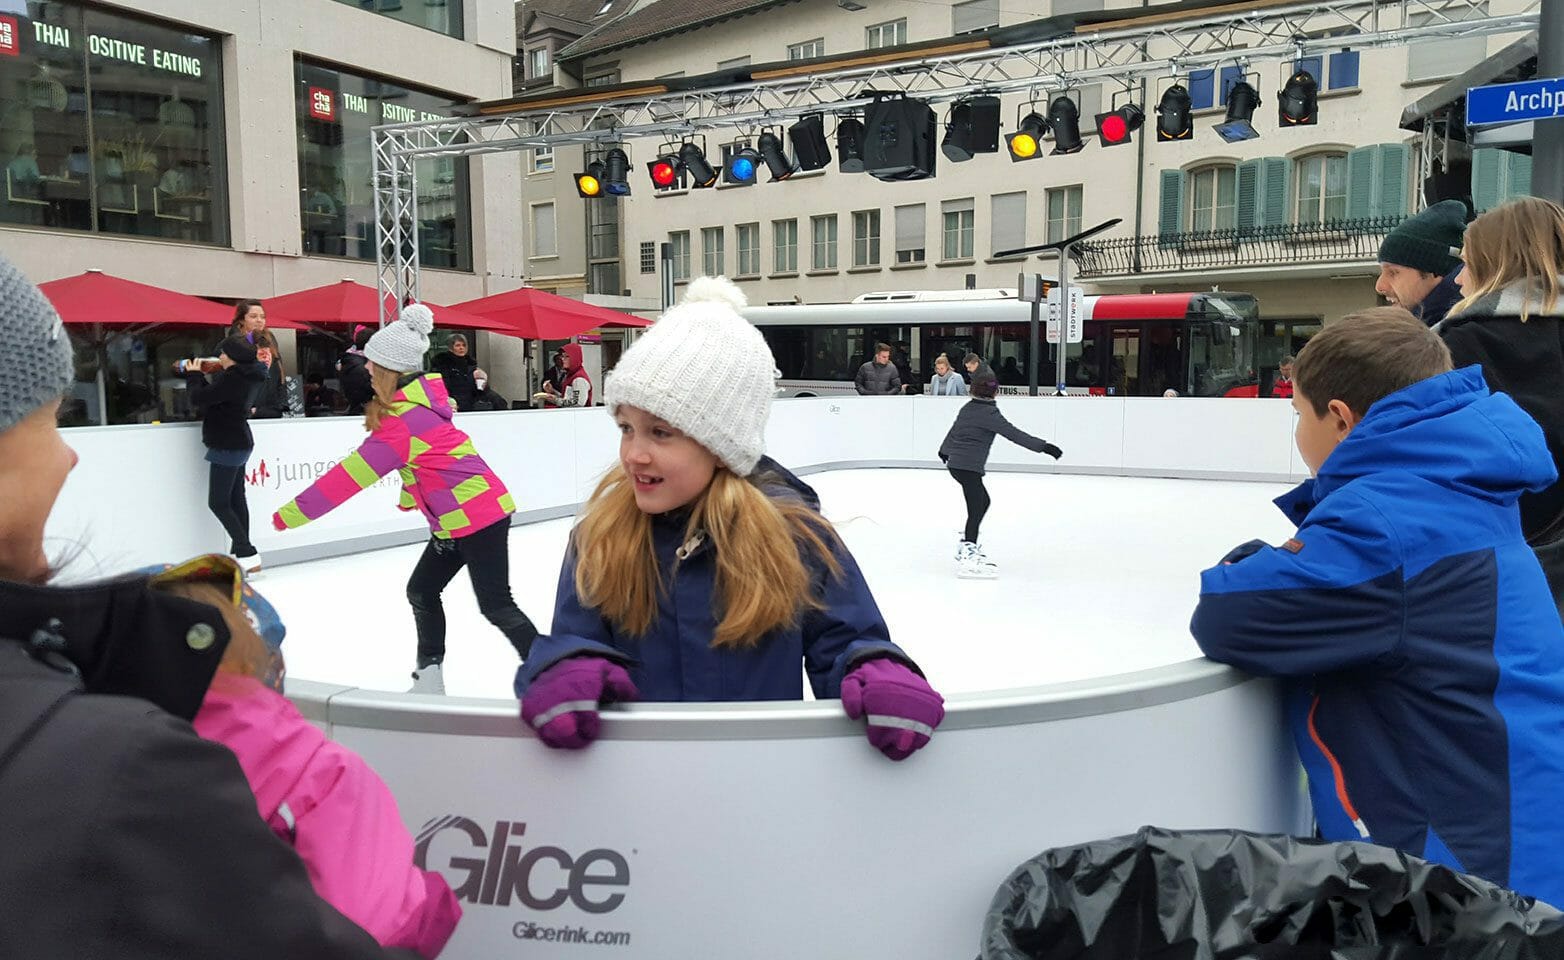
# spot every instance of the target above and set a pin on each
(1098, 576)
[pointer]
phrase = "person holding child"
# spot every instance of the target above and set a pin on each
(700, 569)
(466, 504)
(1424, 654)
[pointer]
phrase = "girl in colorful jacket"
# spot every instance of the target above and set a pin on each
(700, 570)
(318, 797)
(467, 506)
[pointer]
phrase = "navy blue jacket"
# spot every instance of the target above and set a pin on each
(1428, 705)
(675, 661)
(1434, 307)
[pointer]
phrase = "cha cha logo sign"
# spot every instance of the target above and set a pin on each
(9, 34)
(491, 870)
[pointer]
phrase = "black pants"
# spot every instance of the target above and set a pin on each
(977, 500)
(225, 498)
(487, 559)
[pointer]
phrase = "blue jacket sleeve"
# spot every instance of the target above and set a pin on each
(1331, 598)
(846, 630)
(577, 630)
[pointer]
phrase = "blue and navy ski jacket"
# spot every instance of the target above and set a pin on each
(675, 661)
(1426, 653)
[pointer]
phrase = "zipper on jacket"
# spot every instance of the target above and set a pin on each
(1337, 775)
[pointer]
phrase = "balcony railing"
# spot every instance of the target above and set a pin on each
(1340, 241)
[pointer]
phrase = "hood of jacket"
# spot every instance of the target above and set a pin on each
(573, 357)
(1452, 430)
(1439, 300)
(423, 390)
(122, 637)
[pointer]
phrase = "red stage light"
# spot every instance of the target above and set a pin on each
(663, 174)
(1114, 129)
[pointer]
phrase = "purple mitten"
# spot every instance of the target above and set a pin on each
(901, 708)
(561, 704)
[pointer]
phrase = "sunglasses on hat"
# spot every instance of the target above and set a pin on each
(225, 572)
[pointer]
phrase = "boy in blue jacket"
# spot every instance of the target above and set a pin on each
(1424, 650)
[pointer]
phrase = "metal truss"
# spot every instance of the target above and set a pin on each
(1140, 47)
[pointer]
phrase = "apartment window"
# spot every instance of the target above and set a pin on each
(891, 34)
(537, 64)
(1213, 199)
(1064, 213)
(1008, 222)
(648, 257)
(1322, 188)
(602, 79)
(440, 16)
(733, 64)
(749, 249)
(960, 221)
(545, 237)
(807, 50)
(714, 259)
(680, 242)
(823, 255)
(974, 15)
(910, 234)
(542, 157)
(1440, 59)
(866, 238)
(784, 246)
(1339, 71)
(1207, 89)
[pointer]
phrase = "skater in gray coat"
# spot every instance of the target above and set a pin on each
(965, 453)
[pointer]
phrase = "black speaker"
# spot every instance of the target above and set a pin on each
(1452, 184)
(809, 143)
(899, 139)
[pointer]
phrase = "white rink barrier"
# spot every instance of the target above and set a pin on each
(762, 831)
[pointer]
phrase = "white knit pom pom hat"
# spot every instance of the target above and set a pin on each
(401, 344)
(705, 370)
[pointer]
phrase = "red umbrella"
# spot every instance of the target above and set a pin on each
(537, 315)
(97, 297)
(349, 302)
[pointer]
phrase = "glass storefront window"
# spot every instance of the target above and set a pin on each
(336, 111)
(441, 16)
(110, 124)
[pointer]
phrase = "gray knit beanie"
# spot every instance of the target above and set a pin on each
(1429, 240)
(35, 354)
(401, 344)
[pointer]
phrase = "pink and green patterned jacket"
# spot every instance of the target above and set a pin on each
(442, 474)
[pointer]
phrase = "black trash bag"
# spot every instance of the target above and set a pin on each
(1226, 894)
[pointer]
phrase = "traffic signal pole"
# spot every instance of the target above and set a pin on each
(1547, 146)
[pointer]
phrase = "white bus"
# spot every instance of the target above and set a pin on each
(1197, 344)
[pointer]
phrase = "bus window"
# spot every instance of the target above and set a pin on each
(1164, 346)
(1221, 357)
(1123, 371)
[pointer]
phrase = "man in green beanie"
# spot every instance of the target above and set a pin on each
(1419, 259)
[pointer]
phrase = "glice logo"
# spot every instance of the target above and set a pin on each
(507, 869)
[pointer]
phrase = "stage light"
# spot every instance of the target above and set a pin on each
(1298, 105)
(1116, 126)
(849, 145)
(741, 166)
(1241, 102)
(664, 171)
(809, 143)
(589, 183)
(770, 149)
(1173, 120)
(1064, 119)
(616, 173)
(973, 128)
(1025, 143)
(693, 159)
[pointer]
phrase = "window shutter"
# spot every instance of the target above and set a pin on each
(1248, 196)
(1274, 194)
(1520, 175)
(975, 15)
(1315, 66)
(1343, 70)
(1360, 184)
(1487, 165)
(1230, 76)
(1009, 222)
(909, 227)
(1172, 215)
(1391, 198)
(1201, 95)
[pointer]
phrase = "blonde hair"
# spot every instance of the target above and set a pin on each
(1521, 240)
(385, 383)
(942, 358)
(247, 654)
(763, 583)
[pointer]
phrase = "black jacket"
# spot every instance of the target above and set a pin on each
(1439, 300)
(127, 836)
(971, 437)
(1526, 361)
(457, 373)
(270, 400)
(357, 387)
(225, 402)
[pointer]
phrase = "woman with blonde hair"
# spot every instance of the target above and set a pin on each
(1511, 321)
(700, 569)
(946, 382)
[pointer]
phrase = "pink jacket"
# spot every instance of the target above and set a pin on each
(335, 812)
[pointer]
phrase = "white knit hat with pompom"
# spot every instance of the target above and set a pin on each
(705, 370)
(401, 344)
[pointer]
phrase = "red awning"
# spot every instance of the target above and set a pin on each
(537, 315)
(348, 302)
(98, 297)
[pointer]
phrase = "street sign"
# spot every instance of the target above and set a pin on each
(1029, 288)
(1075, 323)
(1515, 102)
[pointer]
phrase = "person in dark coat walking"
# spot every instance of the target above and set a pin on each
(1419, 259)
(965, 454)
(353, 373)
(126, 835)
(1512, 323)
(224, 402)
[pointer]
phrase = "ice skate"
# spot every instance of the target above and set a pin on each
(251, 565)
(429, 680)
(975, 565)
